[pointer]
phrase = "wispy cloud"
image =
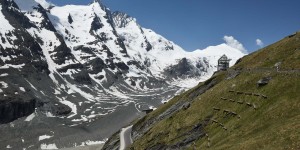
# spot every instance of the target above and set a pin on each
(259, 43)
(232, 42)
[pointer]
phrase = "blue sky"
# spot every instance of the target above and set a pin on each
(196, 24)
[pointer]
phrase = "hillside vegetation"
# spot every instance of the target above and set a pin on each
(230, 111)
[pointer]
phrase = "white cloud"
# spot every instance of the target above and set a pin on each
(259, 43)
(232, 42)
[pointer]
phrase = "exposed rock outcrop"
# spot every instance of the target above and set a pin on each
(264, 81)
(14, 108)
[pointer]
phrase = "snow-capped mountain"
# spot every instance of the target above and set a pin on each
(70, 67)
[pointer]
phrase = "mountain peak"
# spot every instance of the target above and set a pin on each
(95, 1)
(45, 3)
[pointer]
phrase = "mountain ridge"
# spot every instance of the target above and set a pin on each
(71, 68)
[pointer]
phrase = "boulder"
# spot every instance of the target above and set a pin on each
(62, 110)
(186, 105)
(277, 66)
(264, 81)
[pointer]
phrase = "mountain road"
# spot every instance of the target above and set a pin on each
(125, 137)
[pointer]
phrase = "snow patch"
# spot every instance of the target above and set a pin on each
(30, 117)
(56, 92)
(48, 146)
(43, 137)
(49, 114)
(22, 89)
(152, 107)
(92, 143)
(6, 66)
(3, 84)
(4, 75)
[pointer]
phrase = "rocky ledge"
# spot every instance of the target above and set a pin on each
(14, 108)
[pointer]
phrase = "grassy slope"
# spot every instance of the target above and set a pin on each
(275, 124)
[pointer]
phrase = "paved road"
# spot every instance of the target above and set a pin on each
(125, 138)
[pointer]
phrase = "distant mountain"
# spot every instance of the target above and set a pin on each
(252, 105)
(77, 66)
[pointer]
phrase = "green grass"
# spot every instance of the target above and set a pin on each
(275, 124)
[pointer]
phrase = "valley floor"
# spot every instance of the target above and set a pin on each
(43, 129)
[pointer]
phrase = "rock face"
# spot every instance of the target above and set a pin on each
(16, 108)
(183, 68)
(21, 56)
